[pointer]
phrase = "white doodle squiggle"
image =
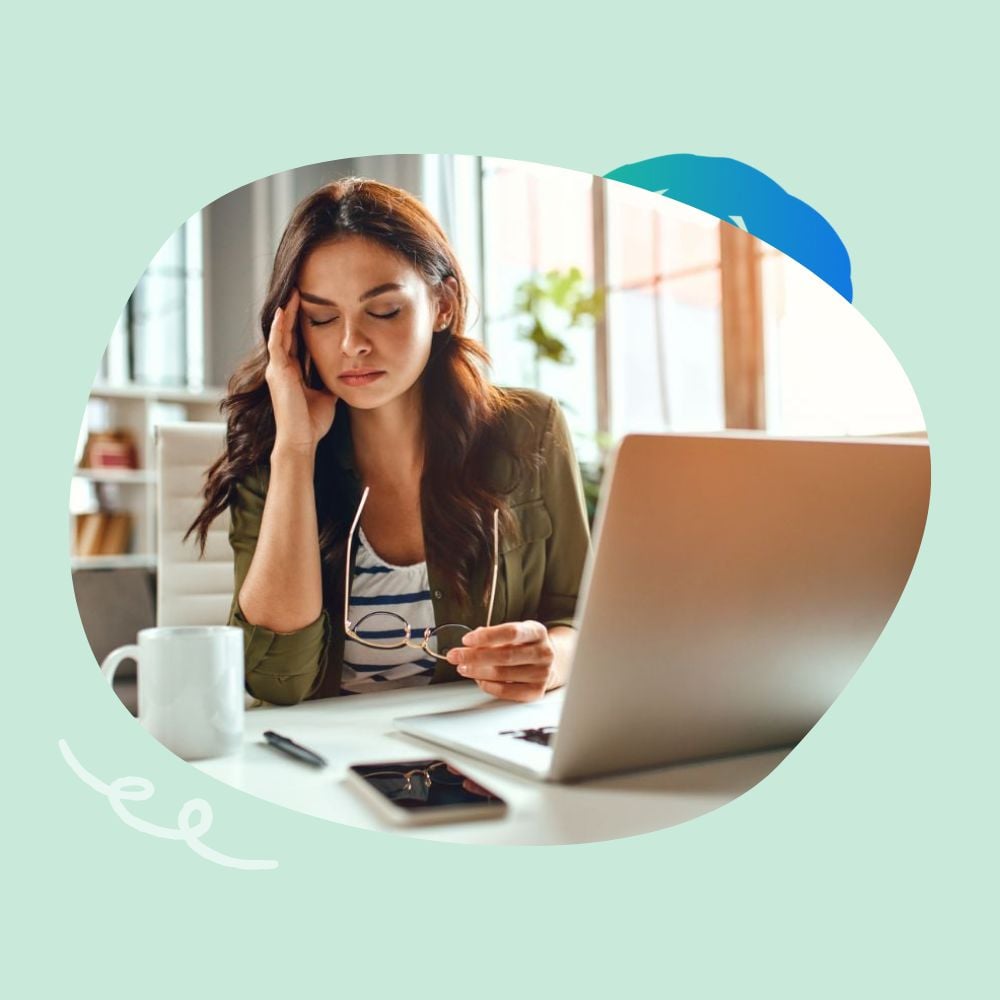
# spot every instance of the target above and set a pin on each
(193, 821)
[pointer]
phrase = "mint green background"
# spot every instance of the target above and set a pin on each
(866, 864)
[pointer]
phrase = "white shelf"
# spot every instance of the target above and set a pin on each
(140, 477)
(163, 394)
(135, 410)
(142, 560)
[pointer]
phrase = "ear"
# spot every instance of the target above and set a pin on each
(447, 304)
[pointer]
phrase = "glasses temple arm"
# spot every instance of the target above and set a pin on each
(347, 561)
(496, 565)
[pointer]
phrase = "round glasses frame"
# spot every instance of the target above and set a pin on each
(350, 628)
(436, 773)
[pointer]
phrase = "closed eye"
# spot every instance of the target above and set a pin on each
(326, 322)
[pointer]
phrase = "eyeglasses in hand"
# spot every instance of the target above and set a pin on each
(394, 631)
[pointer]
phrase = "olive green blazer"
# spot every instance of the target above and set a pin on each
(539, 576)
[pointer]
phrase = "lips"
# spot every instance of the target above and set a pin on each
(361, 376)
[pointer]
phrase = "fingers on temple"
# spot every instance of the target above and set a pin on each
(275, 342)
(282, 338)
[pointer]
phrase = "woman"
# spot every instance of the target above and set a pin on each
(367, 396)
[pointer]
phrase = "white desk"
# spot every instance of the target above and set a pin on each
(359, 730)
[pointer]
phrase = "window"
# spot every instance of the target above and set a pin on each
(703, 327)
(159, 338)
(827, 372)
(538, 219)
(653, 359)
(664, 315)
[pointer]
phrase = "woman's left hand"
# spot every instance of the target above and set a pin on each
(514, 661)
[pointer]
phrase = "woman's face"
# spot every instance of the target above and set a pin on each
(367, 318)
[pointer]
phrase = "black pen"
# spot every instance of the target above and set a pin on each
(285, 745)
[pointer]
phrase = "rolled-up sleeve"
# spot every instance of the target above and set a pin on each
(569, 543)
(280, 667)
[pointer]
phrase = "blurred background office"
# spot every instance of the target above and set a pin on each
(636, 312)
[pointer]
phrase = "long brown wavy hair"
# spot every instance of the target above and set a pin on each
(462, 411)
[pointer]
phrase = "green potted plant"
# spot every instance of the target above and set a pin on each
(551, 306)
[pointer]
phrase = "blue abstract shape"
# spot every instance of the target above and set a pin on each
(733, 191)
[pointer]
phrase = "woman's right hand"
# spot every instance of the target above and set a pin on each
(302, 415)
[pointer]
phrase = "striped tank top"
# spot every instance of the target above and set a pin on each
(379, 588)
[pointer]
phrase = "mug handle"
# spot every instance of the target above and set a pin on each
(111, 661)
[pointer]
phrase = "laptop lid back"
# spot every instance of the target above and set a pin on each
(736, 584)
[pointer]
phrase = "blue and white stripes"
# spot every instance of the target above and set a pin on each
(379, 588)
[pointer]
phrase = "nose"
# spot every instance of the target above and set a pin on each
(354, 344)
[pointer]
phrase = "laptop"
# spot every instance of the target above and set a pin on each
(735, 584)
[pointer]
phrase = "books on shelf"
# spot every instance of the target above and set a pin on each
(103, 533)
(110, 450)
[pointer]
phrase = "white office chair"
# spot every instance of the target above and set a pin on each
(190, 590)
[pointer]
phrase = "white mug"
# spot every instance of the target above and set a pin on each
(190, 687)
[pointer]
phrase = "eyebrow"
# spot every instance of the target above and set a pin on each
(389, 286)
